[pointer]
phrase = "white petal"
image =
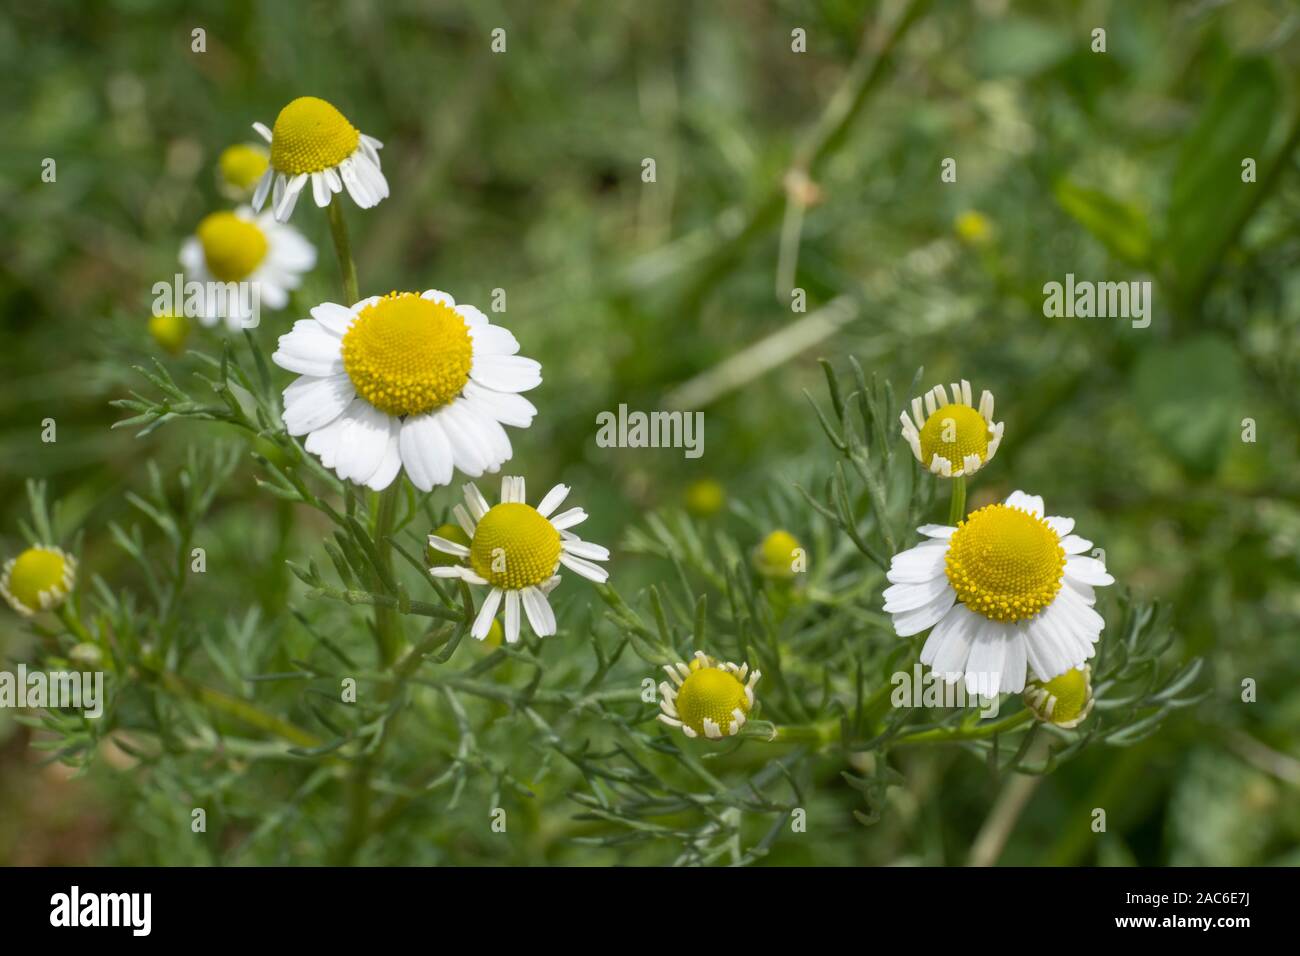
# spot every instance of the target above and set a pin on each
(909, 595)
(937, 530)
(324, 442)
(333, 318)
(506, 373)
(921, 563)
(320, 189)
(491, 435)
(995, 655)
(293, 188)
(192, 260)
(554, 498)
(540, 616)
(512, 617)
(437, 295)
(593, 572)
(448, 547)
(908, 623)
(364, 445)
(311, 402)
(309, 350)
(1073, 544)
(470, 453)
(390, 464)
(567, 519)
(478, 505)
(483, 622)
(492, 339)
(586, 549)
(426, 451)
(506, 407)
(356, 185)
(1062, 526)
(473, 316)
(262, 131)
(948, 646)
(1088, 570)
(1031, 503)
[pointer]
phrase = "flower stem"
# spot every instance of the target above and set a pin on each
(976, 732)
(343, 249)
(957, 509)
(387, 626)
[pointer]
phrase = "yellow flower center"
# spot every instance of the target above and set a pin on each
(776, 554)
(242, 165)
(311, 135)
(36, 571)
(406, 355)
(1070, 691)
(705, 497)
(953, 432)
(170, 331)
(710, 692)
(232, 247)
(514, 547)
(1005, 563)
(973, 228)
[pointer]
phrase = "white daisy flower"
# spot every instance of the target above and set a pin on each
(243, 247)
(313, 141)
(515, 549)
(406, 380)
(38, 579)
(1006, 591)
(952, 439)
(707, 698)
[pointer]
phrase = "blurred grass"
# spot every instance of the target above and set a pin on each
(521, 171)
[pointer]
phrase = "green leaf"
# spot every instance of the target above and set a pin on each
(1189, 396)
(1121, 227)
(1208, 200)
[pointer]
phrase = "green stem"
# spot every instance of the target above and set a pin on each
(819, 734)
(73, 623)
(388, 626)
(957, 509)
(977, 732)
(343, 250)
(421, 608)
(236, 707)
(388, 635)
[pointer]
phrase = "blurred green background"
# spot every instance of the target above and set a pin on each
(522, 171)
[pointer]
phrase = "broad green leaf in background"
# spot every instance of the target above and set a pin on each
(1189, 395)
(1208, 200)
(1121, 227)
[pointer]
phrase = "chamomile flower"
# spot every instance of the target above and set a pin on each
(707, 698)
(313, 141)
(1065, 700)
(952, 439)
(170, 331)
(38, 579)
(705, 498)
(1007, 592)
(777, 555)
(240, 168)
(516, 550)
(405, 380)
(243, 247)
